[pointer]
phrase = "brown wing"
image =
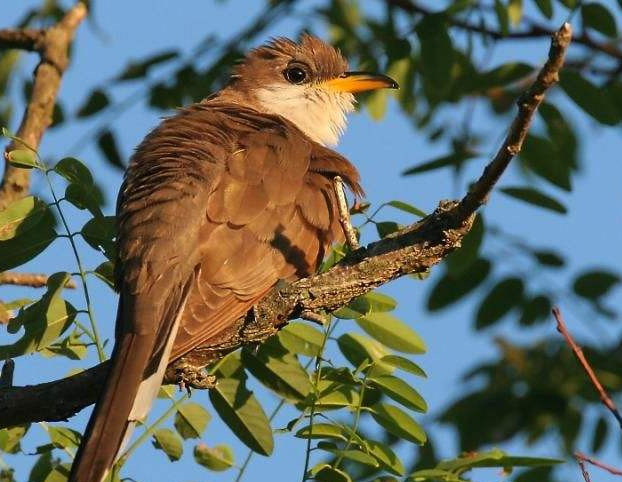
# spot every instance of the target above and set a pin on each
(272, 215)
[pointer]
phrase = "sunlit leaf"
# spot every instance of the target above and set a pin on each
(350, 454)
(398, 422)
(218, 458)
(385, 455)
(24, 158)
(23, 215)
(240, 410)
(64, 437)
(331, 474)
(323, 430)
(10, 438)
(301, 338)
(403, 364)
(191, 420)
(358, 348)
(169, 442)
(392, 332)
(400, 391)
(408, 208)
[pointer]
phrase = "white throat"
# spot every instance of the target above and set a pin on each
(317, 112)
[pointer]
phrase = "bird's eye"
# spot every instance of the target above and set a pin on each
(295, 75)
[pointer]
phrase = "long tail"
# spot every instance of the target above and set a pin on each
(138, 365)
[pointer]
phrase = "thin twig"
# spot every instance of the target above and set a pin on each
(528, 103)
(604, 397)
(53, 46)
(33, 280)
(584, 472)
(344, 214)
(581, 458)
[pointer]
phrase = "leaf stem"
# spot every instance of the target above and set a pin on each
(100, 350)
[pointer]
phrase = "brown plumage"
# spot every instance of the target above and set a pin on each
(220, 202)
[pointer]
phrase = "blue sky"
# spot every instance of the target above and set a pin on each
(590, 234)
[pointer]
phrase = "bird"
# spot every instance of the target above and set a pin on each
(220, 202)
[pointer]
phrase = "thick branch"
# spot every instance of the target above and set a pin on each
(413, 249)
(534, 30)
(32, 280)
(23, 39)
(52, 45)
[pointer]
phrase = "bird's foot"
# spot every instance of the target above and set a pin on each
(189, 376)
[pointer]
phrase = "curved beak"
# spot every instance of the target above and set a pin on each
(354, 82)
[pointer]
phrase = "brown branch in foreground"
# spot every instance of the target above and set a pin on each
(582, 458)
(52, 45)
(413, 249)
(23, 38)
(32, 280)
(576, 349)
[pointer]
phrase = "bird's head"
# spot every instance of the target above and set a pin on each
(308, 83)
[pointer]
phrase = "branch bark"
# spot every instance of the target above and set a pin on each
(410, 250)
(52, 45)
(32, 280)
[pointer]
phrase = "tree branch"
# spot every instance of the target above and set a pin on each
(582, 458)
(410, 250)
(533, 31)
(23, 39)
(32, 280)
(52, 45)
(576, 349)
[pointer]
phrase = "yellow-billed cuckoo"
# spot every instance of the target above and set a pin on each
(219, 203)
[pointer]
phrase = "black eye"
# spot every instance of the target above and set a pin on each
(295, 75)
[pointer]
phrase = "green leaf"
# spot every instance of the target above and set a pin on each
(549, 258)
(84, 197)
(218, 458)
(376, 104)
(358, 348)
(455, 160)
(23, 215)
(136, 70)
(545, 7)
(71, 347)
(403, 364)
(400, 391)
(592, 99)
(169, 442)
(504, 296)
(515, 11)
(437, 53)
(105, 272)
(537, 198)
(331, 474)
(535, 309)
(598, 17)
(502, 17)
(334, 395)
(385, 228)
(63, 437)
(301, 338)
(453, 287)
(24, 158)
(370, 302)
(278, 370)
(107, 144)
(10, 438)
(408, 208)
(97, 101)
(74, 171)
(323, 430)
(501, 76)
(561, 134)
(542, 157)
(351, 454)
(398, 422)
(464, 257)
(100, 233)
(600, 434)
(434, 475)
(493, 458)
(385, 455)
(241, 412)
(191, 420)
(43, 322)
(595, 284)
(26, 245)
(392, 332)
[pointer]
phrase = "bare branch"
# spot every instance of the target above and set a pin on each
(413, 249)
(52, 46)
(33, 280)
(581, 458)
(602, 393)
(344, 214)
(23, 39)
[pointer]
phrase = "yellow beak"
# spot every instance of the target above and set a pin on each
(354, 82)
